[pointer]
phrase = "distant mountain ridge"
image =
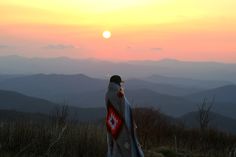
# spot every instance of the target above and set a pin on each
(171, 105)
(223, 99)
(163, 88)
(129, 69)
(15, 101)
(53, 87)
(16, 106)
(12, 102)
(186, 82)
(221, 94)
(74, 88)
(80, 90)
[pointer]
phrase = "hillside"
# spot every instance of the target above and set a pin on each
(53, 87)
(163, 88)
(73, 88)
(86, 92)
(186, 82)
(217, 121)
(171, 105)
(15, 101)
(7, 76)
(223, 99)
(222, 94)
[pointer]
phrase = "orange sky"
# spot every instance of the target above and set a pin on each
(141, 29)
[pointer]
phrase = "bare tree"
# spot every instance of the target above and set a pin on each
(60, 119)
(204, 110)
(60, 115)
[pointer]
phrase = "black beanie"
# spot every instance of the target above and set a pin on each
(116, 79)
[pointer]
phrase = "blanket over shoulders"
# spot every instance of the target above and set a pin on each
(125, 143)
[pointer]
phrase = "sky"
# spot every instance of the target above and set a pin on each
(193, 30)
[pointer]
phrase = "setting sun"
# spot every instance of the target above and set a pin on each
(106, 34)
(143, 29)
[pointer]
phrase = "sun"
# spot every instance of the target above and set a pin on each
(106, 34)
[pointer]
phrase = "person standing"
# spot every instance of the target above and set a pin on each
(121, 134)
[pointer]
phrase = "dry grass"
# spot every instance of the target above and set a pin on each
(59, 137)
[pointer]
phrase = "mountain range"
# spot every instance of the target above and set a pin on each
(17, 107)
(82, 91)
(175, 87)
(10, 100)
(15, 102)
(186, 82)
(129, 69)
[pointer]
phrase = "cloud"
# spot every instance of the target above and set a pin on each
(128, 47)
(136, 49)
(59, 46)
(156, 49)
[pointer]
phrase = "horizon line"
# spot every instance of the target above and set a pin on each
(119, 61)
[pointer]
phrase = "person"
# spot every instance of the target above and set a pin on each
(121, 134)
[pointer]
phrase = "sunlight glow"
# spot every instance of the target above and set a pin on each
(141, 29)
(106, 34)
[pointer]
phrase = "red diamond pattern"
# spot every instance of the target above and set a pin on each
(113, 121)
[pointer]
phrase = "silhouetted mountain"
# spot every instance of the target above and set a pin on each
(57, 88)
(163, 88)
(77, 89)
(185, 82)
(217, 121)
(223, 99)
(15, 101)
(226, 94)
(193, 70)
(6, 76)
(40, 109)
(83, 91)
(137, 69)
(171, 105)
(36, 108)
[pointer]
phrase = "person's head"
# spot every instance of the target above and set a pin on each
(116, 79)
